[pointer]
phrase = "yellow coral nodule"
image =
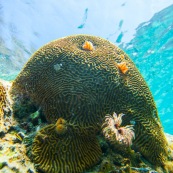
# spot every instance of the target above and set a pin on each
(88, 46)
(61, 127)
(123, 67)
(168, 166)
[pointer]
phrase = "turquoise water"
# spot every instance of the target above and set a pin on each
(143, 29)
(152, 51)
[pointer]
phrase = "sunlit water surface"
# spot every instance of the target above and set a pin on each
(143, 29)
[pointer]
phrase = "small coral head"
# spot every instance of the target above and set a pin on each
(88, 46)
(61, 126)
(113, 131)
(123, 67)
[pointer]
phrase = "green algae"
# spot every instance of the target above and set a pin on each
(2, 164)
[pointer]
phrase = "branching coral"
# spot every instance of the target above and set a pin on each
(113, 131)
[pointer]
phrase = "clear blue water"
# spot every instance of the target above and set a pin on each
(152, 51)
(143, 29)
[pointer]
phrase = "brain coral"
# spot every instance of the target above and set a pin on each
(66, 152)
(82, 83)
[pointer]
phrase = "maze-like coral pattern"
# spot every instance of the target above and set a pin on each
(83, 86)
(5, 109)
(2, 102)
(67, 153)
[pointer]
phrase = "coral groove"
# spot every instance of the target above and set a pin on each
(80, 86)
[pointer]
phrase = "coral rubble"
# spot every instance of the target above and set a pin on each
(13, 158)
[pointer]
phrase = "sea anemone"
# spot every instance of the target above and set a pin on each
(114, 133)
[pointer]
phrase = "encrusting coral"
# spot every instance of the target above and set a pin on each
(5, 106)
(67, 81)
(113, 131)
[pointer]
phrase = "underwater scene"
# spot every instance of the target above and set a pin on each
(86, 86)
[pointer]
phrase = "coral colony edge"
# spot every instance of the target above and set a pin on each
(81, 105)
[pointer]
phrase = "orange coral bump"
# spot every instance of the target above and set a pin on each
(123, 67)
(60, 126)
(88, 46)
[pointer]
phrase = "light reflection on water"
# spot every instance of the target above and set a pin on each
(29, 25)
